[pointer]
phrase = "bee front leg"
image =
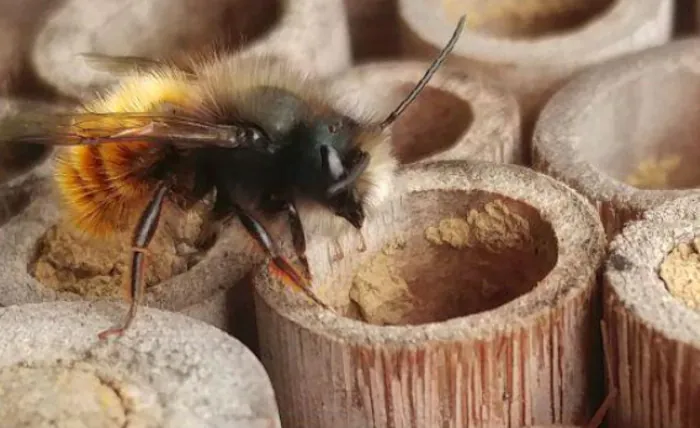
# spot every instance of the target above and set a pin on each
(143, 234)
(260, 234)
(298, 238)
(273, 204)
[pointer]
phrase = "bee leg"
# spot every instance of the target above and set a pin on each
(298, 238)
(273, 204)
(258, 231)
(143, 234)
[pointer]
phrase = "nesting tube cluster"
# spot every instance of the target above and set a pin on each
(297, 30)
(534, 47)
(176, 371)
(471, 298)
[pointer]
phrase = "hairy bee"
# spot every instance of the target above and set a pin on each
(252, 129)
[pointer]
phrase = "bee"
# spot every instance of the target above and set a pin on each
(252, 130)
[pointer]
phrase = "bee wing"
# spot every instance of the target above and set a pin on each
(68, 129)
(125, 64)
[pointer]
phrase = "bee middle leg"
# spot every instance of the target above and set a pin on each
(143, 234)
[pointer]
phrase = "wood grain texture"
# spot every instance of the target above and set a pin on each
(610, 131)
(533, 47)
(655, 337)
(530, 360)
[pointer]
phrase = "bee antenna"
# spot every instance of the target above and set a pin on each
(437, 62)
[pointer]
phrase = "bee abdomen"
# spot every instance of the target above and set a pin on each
(104, 187)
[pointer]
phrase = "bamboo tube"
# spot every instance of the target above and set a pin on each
(681, 208)
(622, 133)
(295, 29)
(170, 371)
(651, 310)
(455, 117)
(533, 47)
(471, 305)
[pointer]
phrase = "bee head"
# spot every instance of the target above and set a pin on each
(331, 165)
(337, 151)
(340, 175)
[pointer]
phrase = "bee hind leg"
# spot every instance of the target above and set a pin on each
(143, 234)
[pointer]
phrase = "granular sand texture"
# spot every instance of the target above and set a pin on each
(69, 261)
(680, 270)
(378, 289)
(460, 266)
(654, 174)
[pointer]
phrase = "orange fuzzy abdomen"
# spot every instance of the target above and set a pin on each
(104, 187)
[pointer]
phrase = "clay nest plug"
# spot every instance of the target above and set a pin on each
(652, 309)
(374, 29)
(169, 371)
(469, 303)
(532, 47)
(454, 117)
(310, 32)
(623, 134)
(192, 267)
